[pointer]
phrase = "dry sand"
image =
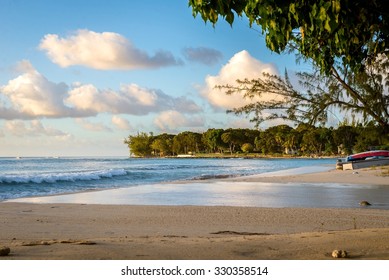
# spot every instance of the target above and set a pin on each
(77, 231)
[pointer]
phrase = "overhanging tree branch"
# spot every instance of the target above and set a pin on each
(274, 97)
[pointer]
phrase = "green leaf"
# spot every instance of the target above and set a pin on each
(230, 18)
(213, 16)
(322, 14)
(336, 6)
(292, 8)
(327, 25)
(272, 24)
(336, 39)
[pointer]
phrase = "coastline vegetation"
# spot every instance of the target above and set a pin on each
(277, 141)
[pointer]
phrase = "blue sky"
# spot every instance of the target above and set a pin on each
(77, 77)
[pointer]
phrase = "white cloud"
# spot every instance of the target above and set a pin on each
(242, 65)
(106, 50)
(31, 95)
(33, 128)
(121, 123)
(173, 120)
(130, 99)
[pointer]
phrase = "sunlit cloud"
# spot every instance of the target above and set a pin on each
(171, 121)
(31, 95)
(103, 51)
(130, 99)
(203, 55)
(121, 123)
(242, 65)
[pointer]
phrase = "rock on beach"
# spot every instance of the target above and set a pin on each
(4, 251)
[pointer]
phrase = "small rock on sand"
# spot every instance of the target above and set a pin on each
(4, 251)
(339, 254)
(364, 203)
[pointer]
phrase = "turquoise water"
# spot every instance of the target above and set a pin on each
(28, 177)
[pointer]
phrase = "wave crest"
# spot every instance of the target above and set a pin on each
(65, 177)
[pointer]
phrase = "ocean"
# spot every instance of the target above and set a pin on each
(138, 181)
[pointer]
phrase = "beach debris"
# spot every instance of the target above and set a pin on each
(174, 236)
(339, 254)
(364, 203)
(37, 243)
(85, 242)
(239, 232)
(50, 242)
(78, 242)
(4, 251)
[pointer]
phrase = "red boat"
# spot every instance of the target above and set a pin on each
(368, 154)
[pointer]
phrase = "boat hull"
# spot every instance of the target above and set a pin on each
(369, 154)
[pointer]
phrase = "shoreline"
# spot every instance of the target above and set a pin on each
(327, 187)
(96, 231)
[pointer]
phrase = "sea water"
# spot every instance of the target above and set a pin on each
(138, 181)
(25, 177)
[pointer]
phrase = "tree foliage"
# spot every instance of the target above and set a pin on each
(141, 143)
(346, 40)
(353, 32)
(364, 94)
(163, 144)
(187, 142)
(305, 139)
(212, 140)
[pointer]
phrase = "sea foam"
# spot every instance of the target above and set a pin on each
(66, 176)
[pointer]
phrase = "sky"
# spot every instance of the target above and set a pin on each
(78, 77)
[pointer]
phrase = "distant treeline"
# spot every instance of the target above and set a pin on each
(304, 140)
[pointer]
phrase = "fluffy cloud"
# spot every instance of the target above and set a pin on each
(121, 123)
(130, 99)
(106, 50)
(172, 120)
(203, 55)
(31, 95)
(242, 65)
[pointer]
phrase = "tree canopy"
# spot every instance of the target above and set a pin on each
(351, 32)
(305, 139)
(345, 39)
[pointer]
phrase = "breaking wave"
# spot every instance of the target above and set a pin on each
(61, 177)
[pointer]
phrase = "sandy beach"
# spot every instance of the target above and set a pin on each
(90, 231)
